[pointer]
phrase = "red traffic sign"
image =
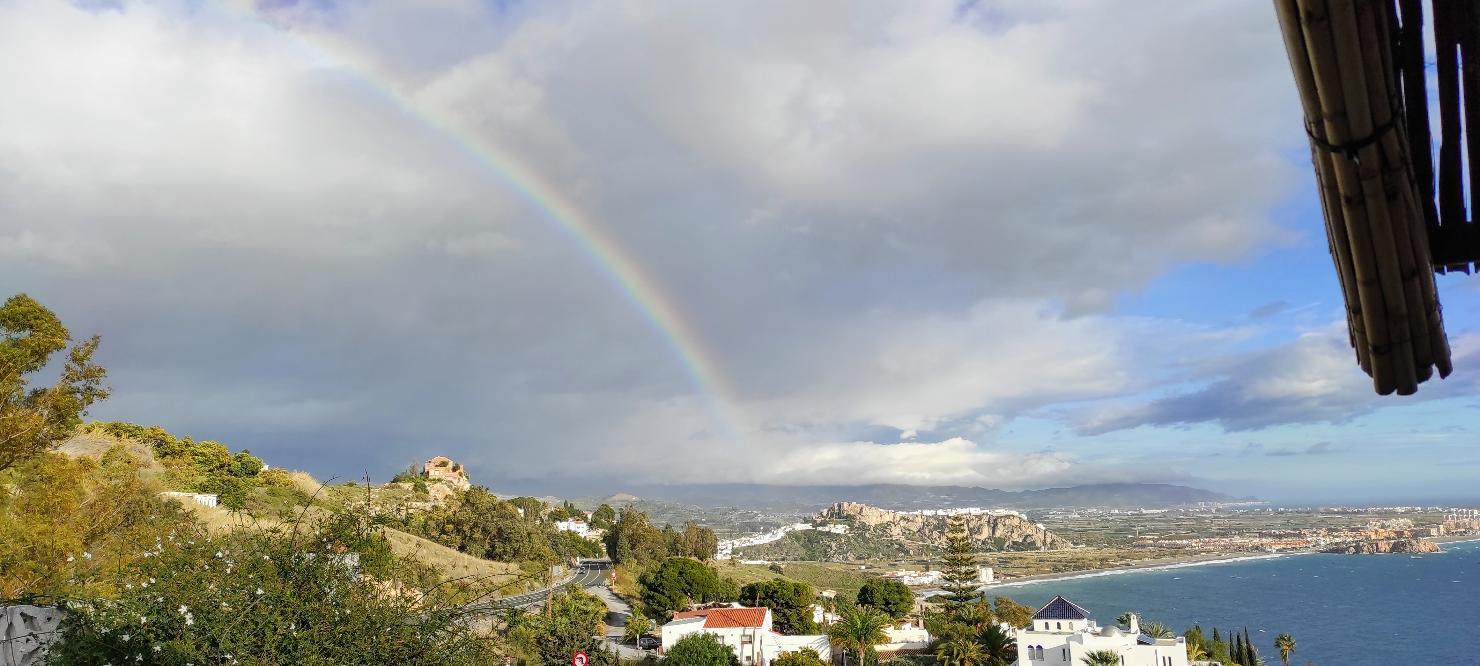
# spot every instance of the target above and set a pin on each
(579, 659)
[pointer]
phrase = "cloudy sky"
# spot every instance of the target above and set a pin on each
(580, 244)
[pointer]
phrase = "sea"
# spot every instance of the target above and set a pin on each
(1341, 609)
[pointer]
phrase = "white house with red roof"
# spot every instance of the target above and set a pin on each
(747, 631)
(1063, 632)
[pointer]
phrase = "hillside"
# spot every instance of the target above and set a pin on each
(905, 497)
(874, 533)
(287, 494)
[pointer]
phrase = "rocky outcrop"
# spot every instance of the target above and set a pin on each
(1004, 530)
(1384, 546)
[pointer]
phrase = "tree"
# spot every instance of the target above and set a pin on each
(1101, 658)
(701, 649)
(1157, 630)
(891, 597)
(790, 602)
(679, 581)
(637, 625)
(697, 541)
(998, 649)
(34, 420)
(1197, 644)
(603, 517)
(802, 657)
(858, 630)
(632, 539)
(482, 525)
(1251, 652)
(959, 651)
(571, 623)
(1285, 643)
(64, 521)
(1011, 612)
(976, 615)
(958, 568)
(530, 508)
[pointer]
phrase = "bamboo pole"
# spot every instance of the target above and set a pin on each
(1341, 254)
(1393, 177)
(1354, 67)
(1316, 25)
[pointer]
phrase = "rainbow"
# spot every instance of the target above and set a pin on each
(614, 262)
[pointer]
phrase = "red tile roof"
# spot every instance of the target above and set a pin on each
(684, 615)
(720, 618)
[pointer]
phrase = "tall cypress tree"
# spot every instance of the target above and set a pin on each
(958, 568)
(1251, 653)
(1238, 649)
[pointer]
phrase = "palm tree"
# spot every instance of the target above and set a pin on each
(1157, 630)
(1124, 618)
(1285, 643)
(859, 629)
(637, 625)
(960, 651)
(997, 648)
(977, 615)
(1101, 658)
(1196, 652)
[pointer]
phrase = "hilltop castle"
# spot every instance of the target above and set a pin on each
(441, 468)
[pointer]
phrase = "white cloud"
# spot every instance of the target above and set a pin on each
(879, 214)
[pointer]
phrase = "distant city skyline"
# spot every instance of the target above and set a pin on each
(600, 245)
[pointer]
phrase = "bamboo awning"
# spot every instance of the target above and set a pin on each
(1393, 217)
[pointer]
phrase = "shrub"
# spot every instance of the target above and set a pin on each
(64, 521)
(268, 597)
(802, 657)
(701, 649)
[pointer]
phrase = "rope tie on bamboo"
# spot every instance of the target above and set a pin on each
(1351, 149)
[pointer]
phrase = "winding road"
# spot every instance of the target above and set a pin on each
(588, 575)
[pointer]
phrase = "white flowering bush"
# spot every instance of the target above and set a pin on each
(268, 597)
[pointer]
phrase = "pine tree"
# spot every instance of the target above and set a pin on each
(958, 568)
(1251, 653)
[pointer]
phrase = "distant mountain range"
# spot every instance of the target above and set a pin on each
(901, 497)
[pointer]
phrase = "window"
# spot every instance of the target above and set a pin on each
(1058, 625)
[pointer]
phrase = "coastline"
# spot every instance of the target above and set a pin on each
(1456, 538)
(1149, 565)
(1184, 562)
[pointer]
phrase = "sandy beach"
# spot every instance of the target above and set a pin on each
(1147, 565)
(1180, 562)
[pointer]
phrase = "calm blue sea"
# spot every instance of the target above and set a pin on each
(1341, 609)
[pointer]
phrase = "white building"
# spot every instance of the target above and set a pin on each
(747, 631)
(905, 638)
(579, 527)
(203, 499)
(1062, 633)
